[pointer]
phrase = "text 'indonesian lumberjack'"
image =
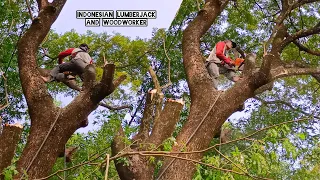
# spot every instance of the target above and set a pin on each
(118, 18)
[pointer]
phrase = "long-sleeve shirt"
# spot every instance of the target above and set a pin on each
(220, 52)
(64, 54)
(69, 52)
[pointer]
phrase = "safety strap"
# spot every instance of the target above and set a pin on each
(75, 53)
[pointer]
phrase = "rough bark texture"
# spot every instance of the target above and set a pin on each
(146, 120)
(51, 126)
(166, 123)
(203, 95)
(140, 167)
(9, 139)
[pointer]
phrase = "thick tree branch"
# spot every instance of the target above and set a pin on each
(33, 87)
(114, 108)
(118, 81)
(107, 76)
(42, 4)
(300, 34)
(250, 65)
(192, 56)
(302, 65)
(300, 3)
(146, 119)
(286, 104)
(117, 147)
(285, 11)
(90, 77)
(307, 50)
(285, 72)
(9, 139)
(165, 124)
(154, 79)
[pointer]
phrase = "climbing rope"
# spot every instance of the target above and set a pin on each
(44, 141)
(189, 139)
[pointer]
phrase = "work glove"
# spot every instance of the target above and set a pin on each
(231, 64)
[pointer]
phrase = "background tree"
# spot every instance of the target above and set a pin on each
(190, 125)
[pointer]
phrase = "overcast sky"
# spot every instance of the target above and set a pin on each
(166, 10)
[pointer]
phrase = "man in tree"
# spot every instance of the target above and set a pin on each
(79, 60)
(219, 63)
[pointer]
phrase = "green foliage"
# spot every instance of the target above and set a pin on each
(9, 172)
(288, 151)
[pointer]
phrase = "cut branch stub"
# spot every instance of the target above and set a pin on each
(106, 85)
(250, 64)
(165, 125)
(8, 141)
(108, 74)
(145, 120)
(154, 78)
(89, 77)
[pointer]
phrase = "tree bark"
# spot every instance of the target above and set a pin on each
(141, 167)
(51, 126)
(203, 96)
(9, 139)
(166, 123)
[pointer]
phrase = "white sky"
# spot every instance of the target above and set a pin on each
(166, 10)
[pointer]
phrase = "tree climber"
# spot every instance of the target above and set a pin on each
(79, 60)
(219, 63)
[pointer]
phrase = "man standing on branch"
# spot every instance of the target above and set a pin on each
(219, 63)
(79, 60)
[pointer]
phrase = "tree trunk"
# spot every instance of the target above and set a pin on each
(9, 139)
(51, 126)
(142, 167)
(209, 108)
